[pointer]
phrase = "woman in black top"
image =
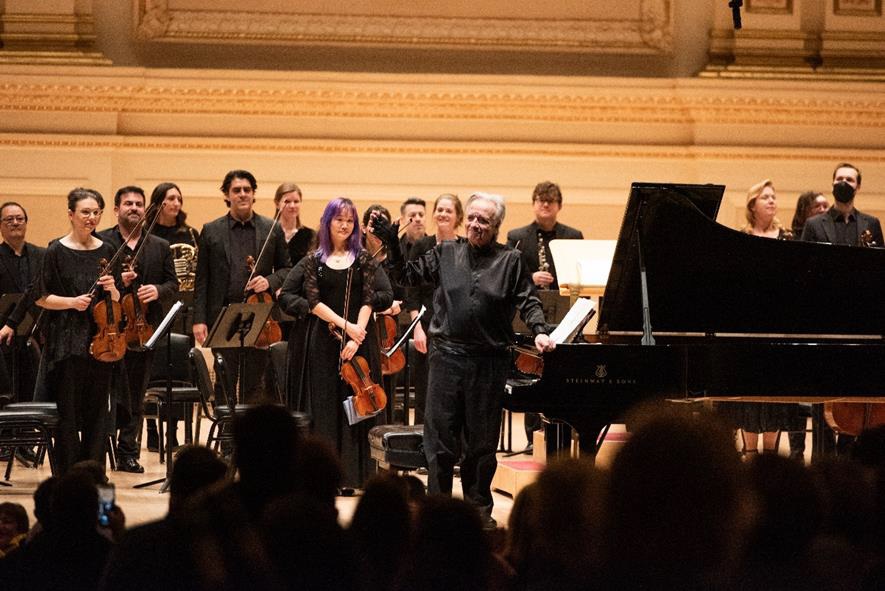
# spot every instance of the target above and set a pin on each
(171, 226)
(448, 214)
(299, 238)
(70, 269)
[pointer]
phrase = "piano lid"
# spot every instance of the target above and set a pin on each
(706, 278)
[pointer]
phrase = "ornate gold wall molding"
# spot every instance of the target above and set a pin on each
(683, 102)
(647, 32)
(419, 149)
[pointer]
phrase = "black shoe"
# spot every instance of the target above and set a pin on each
(129, 465)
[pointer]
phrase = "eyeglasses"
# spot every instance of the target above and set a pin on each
(478, 220)
(14, 219)
(546, 200)
(90, 213)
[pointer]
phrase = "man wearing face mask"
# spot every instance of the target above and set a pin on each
(479, 286)
(843, 223)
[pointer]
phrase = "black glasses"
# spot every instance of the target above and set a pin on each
(14, 219)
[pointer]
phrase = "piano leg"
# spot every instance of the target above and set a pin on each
(557, 438)
(590, 433)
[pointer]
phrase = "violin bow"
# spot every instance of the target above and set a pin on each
(276, 218)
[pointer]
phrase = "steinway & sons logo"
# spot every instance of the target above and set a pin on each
(601, 377)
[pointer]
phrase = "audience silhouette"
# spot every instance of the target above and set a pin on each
(677, 509)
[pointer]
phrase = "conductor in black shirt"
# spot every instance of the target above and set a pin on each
(479, 286)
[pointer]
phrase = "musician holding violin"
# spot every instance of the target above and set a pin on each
(339, 271)
(72, 283)
(224, 275)
(149, 270)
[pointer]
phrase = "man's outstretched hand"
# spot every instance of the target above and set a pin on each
(388, 233)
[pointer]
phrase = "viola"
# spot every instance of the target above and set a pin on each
(270, 332)
(385, 329)
(850, 418)
(368, 397)
(529, 361)
(109, 343)
(138, 330)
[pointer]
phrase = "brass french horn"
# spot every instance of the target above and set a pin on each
(184, 258)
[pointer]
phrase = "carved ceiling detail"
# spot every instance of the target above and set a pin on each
(648, 32)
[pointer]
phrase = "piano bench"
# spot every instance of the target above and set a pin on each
(398, 447)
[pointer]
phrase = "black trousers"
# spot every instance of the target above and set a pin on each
(465, 394)
(82, 395)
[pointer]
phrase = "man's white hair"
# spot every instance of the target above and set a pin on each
(496, 200)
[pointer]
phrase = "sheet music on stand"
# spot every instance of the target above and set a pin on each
(574, 321)
(582, 266)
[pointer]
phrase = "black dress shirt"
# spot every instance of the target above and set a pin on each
(242, 245)
(478, 291)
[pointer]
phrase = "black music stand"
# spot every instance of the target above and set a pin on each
(165, 328)
(8, 303)
(238, 327)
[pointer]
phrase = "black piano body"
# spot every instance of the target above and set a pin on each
(733, 316)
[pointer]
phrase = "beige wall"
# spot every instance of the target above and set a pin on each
(355, 107)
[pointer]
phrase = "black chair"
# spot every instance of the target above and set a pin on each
(217, 411)
(184, 388)
(28, 425)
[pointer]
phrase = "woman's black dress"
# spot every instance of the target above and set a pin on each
(314, 383)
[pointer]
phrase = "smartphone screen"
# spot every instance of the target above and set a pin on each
(106, 499)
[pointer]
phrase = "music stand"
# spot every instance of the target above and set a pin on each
(237, 327)
(165, 328)
(8, 303)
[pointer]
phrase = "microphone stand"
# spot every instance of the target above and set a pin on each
(165, 328)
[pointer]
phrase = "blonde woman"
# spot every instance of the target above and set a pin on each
(299, 239)
(762, 213)
(755, 418)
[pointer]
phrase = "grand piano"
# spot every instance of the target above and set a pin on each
(731, 317)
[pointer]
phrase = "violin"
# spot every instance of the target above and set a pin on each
(385, 330)
(270, 332)
(368, 397)
(137, 329)
(109, 343)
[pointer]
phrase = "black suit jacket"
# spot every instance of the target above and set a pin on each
(10, 282)
(527, 239)
(154, 266)
(214, 264)
(822, 228)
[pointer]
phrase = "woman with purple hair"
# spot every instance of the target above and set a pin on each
(338, 271)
